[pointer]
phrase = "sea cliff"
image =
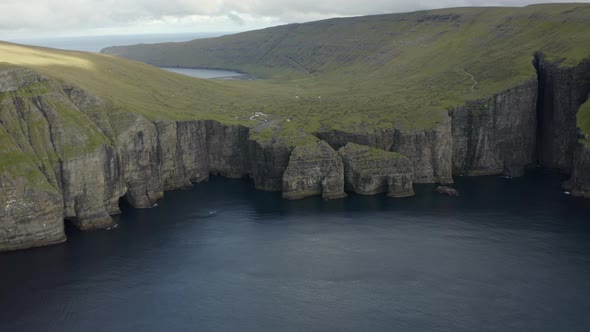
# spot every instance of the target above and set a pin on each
(84, 156)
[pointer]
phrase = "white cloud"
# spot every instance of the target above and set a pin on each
(45, 17)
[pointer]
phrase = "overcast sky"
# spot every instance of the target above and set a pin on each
(41, 18)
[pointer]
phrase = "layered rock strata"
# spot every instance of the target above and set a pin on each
(29, 217)
(70, 155)
(496, 135)
(314, 170)
(370, 171)
(429, 150)
(268, 162)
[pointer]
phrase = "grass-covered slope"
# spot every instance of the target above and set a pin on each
(351, 74)
(42, 125)
(128, 85)
(33, 113)
(398, 70)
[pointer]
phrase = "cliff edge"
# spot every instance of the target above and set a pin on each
(468, 91)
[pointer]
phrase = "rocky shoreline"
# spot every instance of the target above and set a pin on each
(517, 128)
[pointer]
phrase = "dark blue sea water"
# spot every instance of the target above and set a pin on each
(507, 255)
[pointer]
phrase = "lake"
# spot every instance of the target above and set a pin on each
(506, 255)
(209, 73)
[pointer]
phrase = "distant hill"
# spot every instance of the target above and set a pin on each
(399, 62)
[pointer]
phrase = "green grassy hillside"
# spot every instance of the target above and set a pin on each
(400, 70)
(129, 85)
(463, 35)
(351, 74)
(125, 86)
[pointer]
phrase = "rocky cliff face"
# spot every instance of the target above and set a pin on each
(496, 135)
(91, 188)
(370, 171)
(268, 162)
(29, 217)
(70, 155)
(561, 93)
(84, 157)
(314, 170)
(562, 90)
(579, 182)
(80, 158)
(68, 167)
(429, 150)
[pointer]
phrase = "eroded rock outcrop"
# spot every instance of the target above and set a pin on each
(370, 171)
(430, 150)
(314, 170)
(17, 78)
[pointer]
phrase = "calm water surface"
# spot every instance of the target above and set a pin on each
(208, 73)
(507, 255)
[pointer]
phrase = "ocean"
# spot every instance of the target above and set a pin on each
(506, 255)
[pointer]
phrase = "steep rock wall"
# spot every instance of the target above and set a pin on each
(370, 171)
(182, 153)
(227, 148)
(496, 135)
(579, 182)
(137, 147)
(29, 217)
(84, 155)
(91, 188)
(63, 153)
(561, 93)
(313, 170)
(429, 150)
(87, 155)
(268, 162)
(166, 155)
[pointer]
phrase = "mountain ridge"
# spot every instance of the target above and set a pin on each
(430, 58)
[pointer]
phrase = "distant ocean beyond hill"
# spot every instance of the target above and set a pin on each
(96, 43)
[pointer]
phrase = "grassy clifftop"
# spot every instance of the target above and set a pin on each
(128, 85)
